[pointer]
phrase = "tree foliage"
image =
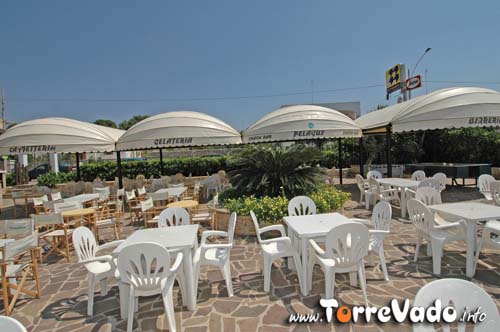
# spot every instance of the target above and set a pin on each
(126, 124)
(106, 123)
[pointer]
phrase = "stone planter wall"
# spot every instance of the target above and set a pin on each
(244, 224)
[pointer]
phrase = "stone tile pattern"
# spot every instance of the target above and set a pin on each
(63, 304)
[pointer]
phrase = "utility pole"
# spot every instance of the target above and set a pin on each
(3, 109)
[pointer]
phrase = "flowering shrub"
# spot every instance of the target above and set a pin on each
(273, 209)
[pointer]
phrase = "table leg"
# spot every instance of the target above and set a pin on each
(124, 295)
(471, 245)
(189, 275)
(305, 267)
(403, 202)
(293, 238)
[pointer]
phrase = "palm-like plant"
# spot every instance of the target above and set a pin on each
(268, 170)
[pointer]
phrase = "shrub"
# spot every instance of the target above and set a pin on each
(51, 179)
(328, 199)
(11, 179)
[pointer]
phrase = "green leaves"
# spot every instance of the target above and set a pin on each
(51, 179)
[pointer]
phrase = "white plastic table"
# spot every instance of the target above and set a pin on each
(402, 185)
(83, 198)
(183, 238)
(472, 213)
(303, 228)
(174, 192)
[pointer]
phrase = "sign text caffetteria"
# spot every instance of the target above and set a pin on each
(32, 148)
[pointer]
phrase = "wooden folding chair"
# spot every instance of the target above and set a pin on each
(14, 270)
(107, 216)
(57, 234)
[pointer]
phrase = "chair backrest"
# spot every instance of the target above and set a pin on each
(17, 227)
(174, 216)
(495, 191)
(11, 325)
(104, 191)
(38, 201)
(418, 175)
(15, 248)
(55, 196)
(17, 194)
(381, 216)
(141, 191)
(66, 206)
(144, 266)
(441, 177)
(373, 174)
(428, 195)
(430, 182)
(374, 186)
(231, 226)
(483, 182)
(130, 195)
(47, 219)
(256, 225)
(347, 244)
(459, 294)
(360, 181)
(301, 205)
(85, 243)
(158, 197)
(147, 205)
(120, 193)
(421, 217)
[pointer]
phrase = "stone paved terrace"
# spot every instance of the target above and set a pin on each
(63, 304)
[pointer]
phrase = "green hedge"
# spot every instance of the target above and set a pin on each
(51, 179)
(106, 170)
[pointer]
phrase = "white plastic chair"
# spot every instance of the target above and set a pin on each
(443, 180)
(430, 182)
(373, 175)
(301, 205)
(376, 193)
(381, 223)
(174, 216)
(495, 192)
(437, 235)
(275, 248)
(418, 175)
(460, 294)
(490, 238)
(145, 269)
(346, 246)
(483, 183)
(426, 195)
(99, 268)
(216, 254)
(362, 186)
(10, 324)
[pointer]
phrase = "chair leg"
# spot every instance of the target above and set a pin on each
(437, 252)
(329, 284)
(417, 248)
(382, 263)
(197, 268)
(429, 248)
(352, 279)
(104, 287)
(476, 259)
(90, 301)
(131, 309)
(310, 271)
(298, 268)
(226, 271)
(35, 254)
(117, 231)
(361, 196)
(66, 248)
(267, 272)
(362, 281)
(169, 308)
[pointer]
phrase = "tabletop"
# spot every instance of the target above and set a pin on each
(82, 198)
(77, 212)
(469, 210)
(315, 224)
(398, 182)
(176, 237)
(172, 191)
(186, 204)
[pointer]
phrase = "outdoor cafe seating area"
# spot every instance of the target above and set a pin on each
(86, 264)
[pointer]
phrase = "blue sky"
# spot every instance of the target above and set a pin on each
(115, 59)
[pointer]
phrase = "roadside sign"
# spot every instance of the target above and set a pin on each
(414, 82)
(394, 76)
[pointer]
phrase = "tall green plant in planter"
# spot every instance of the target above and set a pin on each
(266, 170)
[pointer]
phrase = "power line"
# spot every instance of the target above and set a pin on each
(152, 100)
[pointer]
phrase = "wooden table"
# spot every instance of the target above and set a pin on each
(79, 214)
(186, 204)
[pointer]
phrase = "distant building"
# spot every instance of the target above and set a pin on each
(350, 108)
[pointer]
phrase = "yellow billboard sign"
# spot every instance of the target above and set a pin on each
(394, 76)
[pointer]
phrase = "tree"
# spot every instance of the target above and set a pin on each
(105, 123)
(126, 124)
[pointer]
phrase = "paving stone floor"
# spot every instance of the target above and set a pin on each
(63, 304)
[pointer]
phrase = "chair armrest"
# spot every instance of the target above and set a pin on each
(206, 234)
(362, 221)
(277, 239)
(177, 263)
(216, 246)
(317, 249)
(460, 223)
(391, 190)
(378, 231)
(102, 259)
(109, 245)
(279, 228)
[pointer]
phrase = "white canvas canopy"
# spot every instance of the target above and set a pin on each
(57, 135)
(301, 122)
(446, 108)
(178, 129)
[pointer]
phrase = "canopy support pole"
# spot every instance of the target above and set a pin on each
(119, 169)
(161, 162)
(361, 156)
(388, 151)
(78, 167)
(340, 161)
